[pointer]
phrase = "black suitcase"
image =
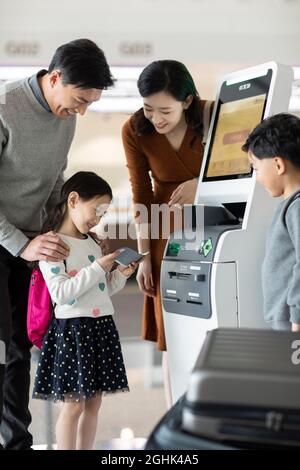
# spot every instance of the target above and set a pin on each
(169, 435)
(244, 390)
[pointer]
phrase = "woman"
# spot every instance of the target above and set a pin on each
(165, 137)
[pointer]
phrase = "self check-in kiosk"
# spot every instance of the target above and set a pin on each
(210, 274)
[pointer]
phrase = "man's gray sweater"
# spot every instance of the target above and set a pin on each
(281, 267)
(34, 144)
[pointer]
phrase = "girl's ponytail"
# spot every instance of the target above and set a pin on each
(54, 218)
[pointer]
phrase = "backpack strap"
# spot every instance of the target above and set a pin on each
(93, 237)
(291, 200)
(54, 304)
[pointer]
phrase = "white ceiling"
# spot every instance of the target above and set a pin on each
(138, 31)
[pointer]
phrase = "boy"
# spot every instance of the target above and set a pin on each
(274, 152)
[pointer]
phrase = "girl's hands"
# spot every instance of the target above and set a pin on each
(184, 193)
(127, 270)
(107, 262)
(144, 277)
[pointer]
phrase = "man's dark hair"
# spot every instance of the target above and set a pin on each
(83, 64)
(276, 136)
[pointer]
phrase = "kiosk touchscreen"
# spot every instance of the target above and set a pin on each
(215, 281)
(240, 108)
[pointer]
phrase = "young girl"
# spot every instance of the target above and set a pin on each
(81, 357)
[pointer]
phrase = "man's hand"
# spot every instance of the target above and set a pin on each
(46, 247)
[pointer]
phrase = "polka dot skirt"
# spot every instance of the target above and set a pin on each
(80, 358)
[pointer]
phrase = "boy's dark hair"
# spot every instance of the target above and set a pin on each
(174, 78)
(276, 136)
(87, 184)
(83, 64)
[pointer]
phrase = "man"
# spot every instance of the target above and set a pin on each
(37, 124)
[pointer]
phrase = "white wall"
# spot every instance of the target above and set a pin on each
(97, 146)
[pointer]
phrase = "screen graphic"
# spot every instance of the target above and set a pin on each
(236, 120)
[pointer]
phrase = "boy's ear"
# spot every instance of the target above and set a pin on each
(280, 165)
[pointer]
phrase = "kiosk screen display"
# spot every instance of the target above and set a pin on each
(236, 117)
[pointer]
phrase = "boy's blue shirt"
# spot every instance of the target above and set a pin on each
(281, 266)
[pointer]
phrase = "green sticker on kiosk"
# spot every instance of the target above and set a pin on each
(174, 248)
(207, 247)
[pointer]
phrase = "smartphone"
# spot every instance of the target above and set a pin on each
(127, 256)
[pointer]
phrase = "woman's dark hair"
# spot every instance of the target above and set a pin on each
(278, 135)
(174, 78)
(83, 64)
(87, 184)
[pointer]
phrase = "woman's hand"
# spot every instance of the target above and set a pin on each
(144, 277)
(128, 270)
(184, 193)
(106, 262)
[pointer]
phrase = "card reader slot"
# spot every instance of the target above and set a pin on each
(187, 277)
(196, 302)
(181, 276)
(171, 299)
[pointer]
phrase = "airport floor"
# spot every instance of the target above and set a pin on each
(125, 420)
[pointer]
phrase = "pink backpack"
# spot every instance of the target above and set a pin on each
(39, 308)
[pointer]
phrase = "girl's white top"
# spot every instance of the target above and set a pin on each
(82, 288)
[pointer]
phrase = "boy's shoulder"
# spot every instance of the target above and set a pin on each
(291, 206)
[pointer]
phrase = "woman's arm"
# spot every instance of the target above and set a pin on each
(138, 168)
(143, 198)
